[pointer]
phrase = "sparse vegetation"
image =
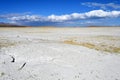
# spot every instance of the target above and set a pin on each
(100, 47)
(6, 43)
(76, 43)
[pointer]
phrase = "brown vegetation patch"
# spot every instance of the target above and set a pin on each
(89, 45)
(6, 43)
(99, 47)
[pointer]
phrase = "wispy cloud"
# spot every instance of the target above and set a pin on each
(56, 19)
(101, 5)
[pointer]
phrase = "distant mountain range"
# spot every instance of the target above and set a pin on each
(2, 24)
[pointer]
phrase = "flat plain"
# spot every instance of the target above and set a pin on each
(48, 53)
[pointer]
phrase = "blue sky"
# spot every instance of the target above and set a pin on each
(60, 12)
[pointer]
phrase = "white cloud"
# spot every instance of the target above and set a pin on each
(61, 18)
(95, 14)
(102, 14)
(87, 15)
(102, 6)
(26, 18)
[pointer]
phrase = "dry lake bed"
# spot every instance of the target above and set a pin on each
(60, 53)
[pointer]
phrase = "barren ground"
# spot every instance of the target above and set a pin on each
(60, 53)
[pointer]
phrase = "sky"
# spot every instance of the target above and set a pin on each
(60, 12)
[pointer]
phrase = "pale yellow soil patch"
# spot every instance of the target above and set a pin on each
(4, 42)
(106, 45)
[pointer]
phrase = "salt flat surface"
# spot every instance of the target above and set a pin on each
(60, 53)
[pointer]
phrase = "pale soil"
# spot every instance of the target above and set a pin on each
(60, 53)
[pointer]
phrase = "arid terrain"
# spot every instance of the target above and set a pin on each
(48, 53)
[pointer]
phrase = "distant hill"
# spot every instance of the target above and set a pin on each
(2, 24)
